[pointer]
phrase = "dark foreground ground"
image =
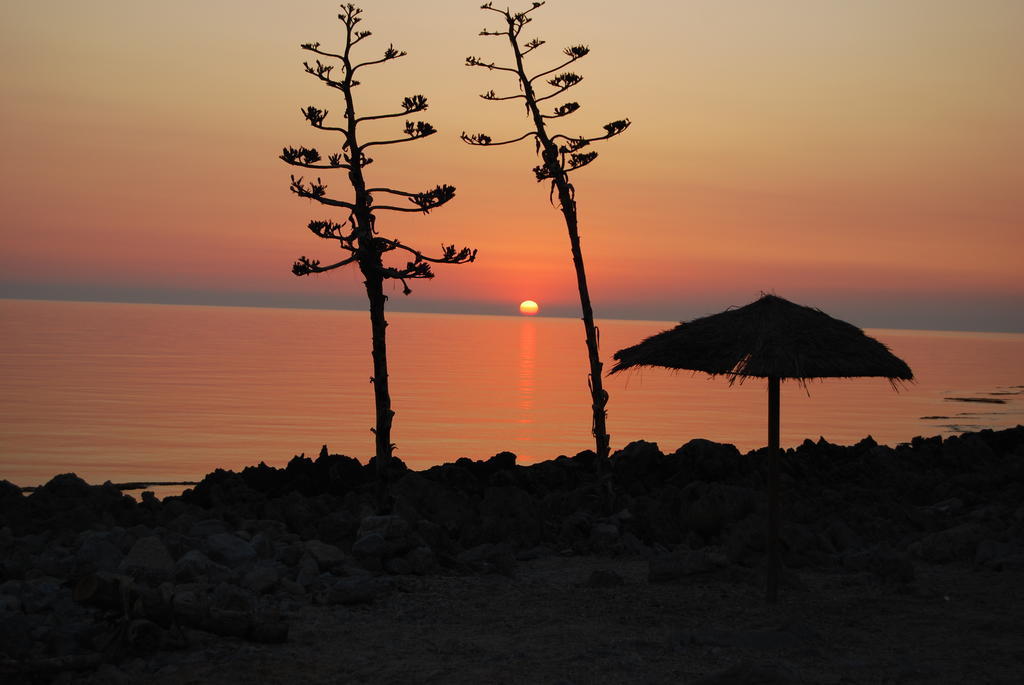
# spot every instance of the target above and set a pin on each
(904, 565)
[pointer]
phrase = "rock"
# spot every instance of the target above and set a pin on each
(510, 514)
(292, 587)
(98, 553)
(263, 545)
(372, 545)
(66, 485)
(229, 549)
(398, 566)
(989, 551)
(194, 565)
(262, 578)
(488, 558)
(232, 598)
(603, 536)
(883, 561)
(709, 461)
(958, 542)
(632, 545)
(388, 527)
(207, 527)
(841, 536)
(422, 561)
(336, 526)
(148, 559)
(308, 571)
(356, 590)
(709, 507)
(604, 578)
(675, 565)
(15, 634)
(326, 556)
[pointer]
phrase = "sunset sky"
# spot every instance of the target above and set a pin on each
(862, 157)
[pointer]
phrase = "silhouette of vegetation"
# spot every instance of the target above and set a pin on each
(357, 236)
(561, 155)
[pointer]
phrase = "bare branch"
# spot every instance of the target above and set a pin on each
(485, 140)
(490, 95)
(410, 105)
(573, 52)
(562, 82)
(491, 66)
(316, 116)
(425, 201)
(611, 130)
(449, 254)
(305, 266)
(532, 45)
(316, 191)
(413, 131)
(389, 54)
(562, 110)
(308, 158)
(331, 230)
(323, 72)
(315, 47)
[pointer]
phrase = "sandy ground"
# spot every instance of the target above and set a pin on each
(954, 624)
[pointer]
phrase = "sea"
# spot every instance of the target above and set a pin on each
(153, 393)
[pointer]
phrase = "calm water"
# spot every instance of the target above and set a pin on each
(144, 392)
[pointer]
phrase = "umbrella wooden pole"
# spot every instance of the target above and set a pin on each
(772, 585)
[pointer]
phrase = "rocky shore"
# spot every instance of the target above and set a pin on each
(266, 569)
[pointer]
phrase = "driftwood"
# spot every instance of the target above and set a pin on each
(141, 605)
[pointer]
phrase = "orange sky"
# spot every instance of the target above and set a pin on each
(863, 157)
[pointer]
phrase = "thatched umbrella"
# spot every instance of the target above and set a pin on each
(775, 339)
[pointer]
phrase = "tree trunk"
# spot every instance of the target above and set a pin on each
(598, 395)
(551, 156)
(381, 394)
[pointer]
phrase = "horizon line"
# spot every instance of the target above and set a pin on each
(438, 312)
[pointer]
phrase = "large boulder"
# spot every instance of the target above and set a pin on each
(229, 549)
(148, 559)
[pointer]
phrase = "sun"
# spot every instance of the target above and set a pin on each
(528, 307)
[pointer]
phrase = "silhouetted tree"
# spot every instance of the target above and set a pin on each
(357, 236)
(561, 155)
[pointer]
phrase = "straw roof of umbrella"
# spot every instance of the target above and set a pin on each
(771, 337)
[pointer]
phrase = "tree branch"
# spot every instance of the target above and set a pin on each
(323, 72)
(485, 140)
(425, 201)
(611, 130)
(420, 129)
(449, 254)
(410, 105)
(562, 82)
(490, 95)
(305, 266)
(389, 55)
(317, 191)
(315, 47)
(562, 111)
(477, 62)
(532, 45)
(331, 230)
(308, 158)
(574, 52)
